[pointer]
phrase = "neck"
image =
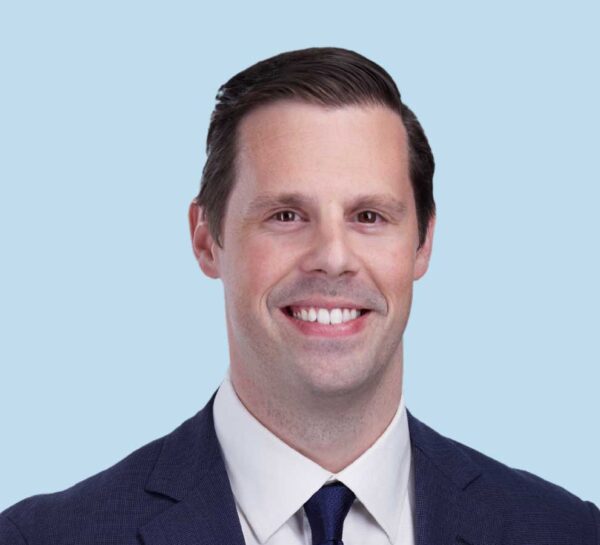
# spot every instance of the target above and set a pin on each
(331, 429)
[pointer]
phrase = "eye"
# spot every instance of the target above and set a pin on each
(368, 216)
(286, 216)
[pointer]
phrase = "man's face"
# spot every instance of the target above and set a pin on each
(320, 248)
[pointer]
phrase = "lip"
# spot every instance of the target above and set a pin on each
(325, 303)
(345, 329)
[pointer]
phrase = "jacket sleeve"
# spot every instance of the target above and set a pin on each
(595, 514)
(9, 533)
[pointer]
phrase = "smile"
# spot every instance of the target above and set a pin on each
(325, 316)
(326, 322)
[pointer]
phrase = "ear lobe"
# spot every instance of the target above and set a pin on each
(424, 252)
(203, 243)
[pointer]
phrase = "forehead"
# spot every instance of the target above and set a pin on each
(291, 145)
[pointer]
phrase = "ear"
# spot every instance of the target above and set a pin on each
(424, 252)
(203, 244)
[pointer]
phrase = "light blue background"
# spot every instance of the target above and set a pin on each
(110, 336)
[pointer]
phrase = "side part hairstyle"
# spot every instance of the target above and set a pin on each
(327, 76)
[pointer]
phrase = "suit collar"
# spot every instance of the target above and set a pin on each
(448, 459)
(191, 471)
(448, 507)
(187, 455)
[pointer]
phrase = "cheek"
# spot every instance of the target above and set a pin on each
(391, 266)
(391, 258)
(254, 266)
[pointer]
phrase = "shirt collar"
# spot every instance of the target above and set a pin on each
(379, 477)
(262, 468)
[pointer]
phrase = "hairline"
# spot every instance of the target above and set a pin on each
(366, 102)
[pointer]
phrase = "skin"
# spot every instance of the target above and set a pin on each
(323, 213)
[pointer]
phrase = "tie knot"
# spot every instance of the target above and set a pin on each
(326, 510)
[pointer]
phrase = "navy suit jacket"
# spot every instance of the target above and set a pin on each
(175, 491)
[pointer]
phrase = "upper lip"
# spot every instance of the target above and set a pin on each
(325, 303)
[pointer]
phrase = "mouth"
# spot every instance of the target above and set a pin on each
(325, 316)
(327, 322)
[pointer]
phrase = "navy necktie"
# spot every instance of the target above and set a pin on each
(326, 510)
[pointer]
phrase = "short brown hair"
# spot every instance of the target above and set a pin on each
(327, 76)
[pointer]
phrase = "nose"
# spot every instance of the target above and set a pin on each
(330, 252)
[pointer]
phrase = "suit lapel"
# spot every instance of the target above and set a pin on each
(448, 510)
(191, 471)
(207, 517)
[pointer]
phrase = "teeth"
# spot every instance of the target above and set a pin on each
(327, 316)
(323, 316)
(335, 316)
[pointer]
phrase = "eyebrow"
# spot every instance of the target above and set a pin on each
(275, 200)
(389, 203)
(386, 202)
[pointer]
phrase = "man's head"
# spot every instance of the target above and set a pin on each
(316, 212)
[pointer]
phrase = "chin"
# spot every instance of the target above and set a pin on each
(337, 378)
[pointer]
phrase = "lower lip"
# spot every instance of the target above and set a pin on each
(329, 330)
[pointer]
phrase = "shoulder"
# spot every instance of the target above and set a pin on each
(530, 507)
(112, 505)
(521, 486)
(115, 494)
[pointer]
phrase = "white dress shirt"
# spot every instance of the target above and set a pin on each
(271, 481)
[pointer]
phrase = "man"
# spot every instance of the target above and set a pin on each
(316, 212)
